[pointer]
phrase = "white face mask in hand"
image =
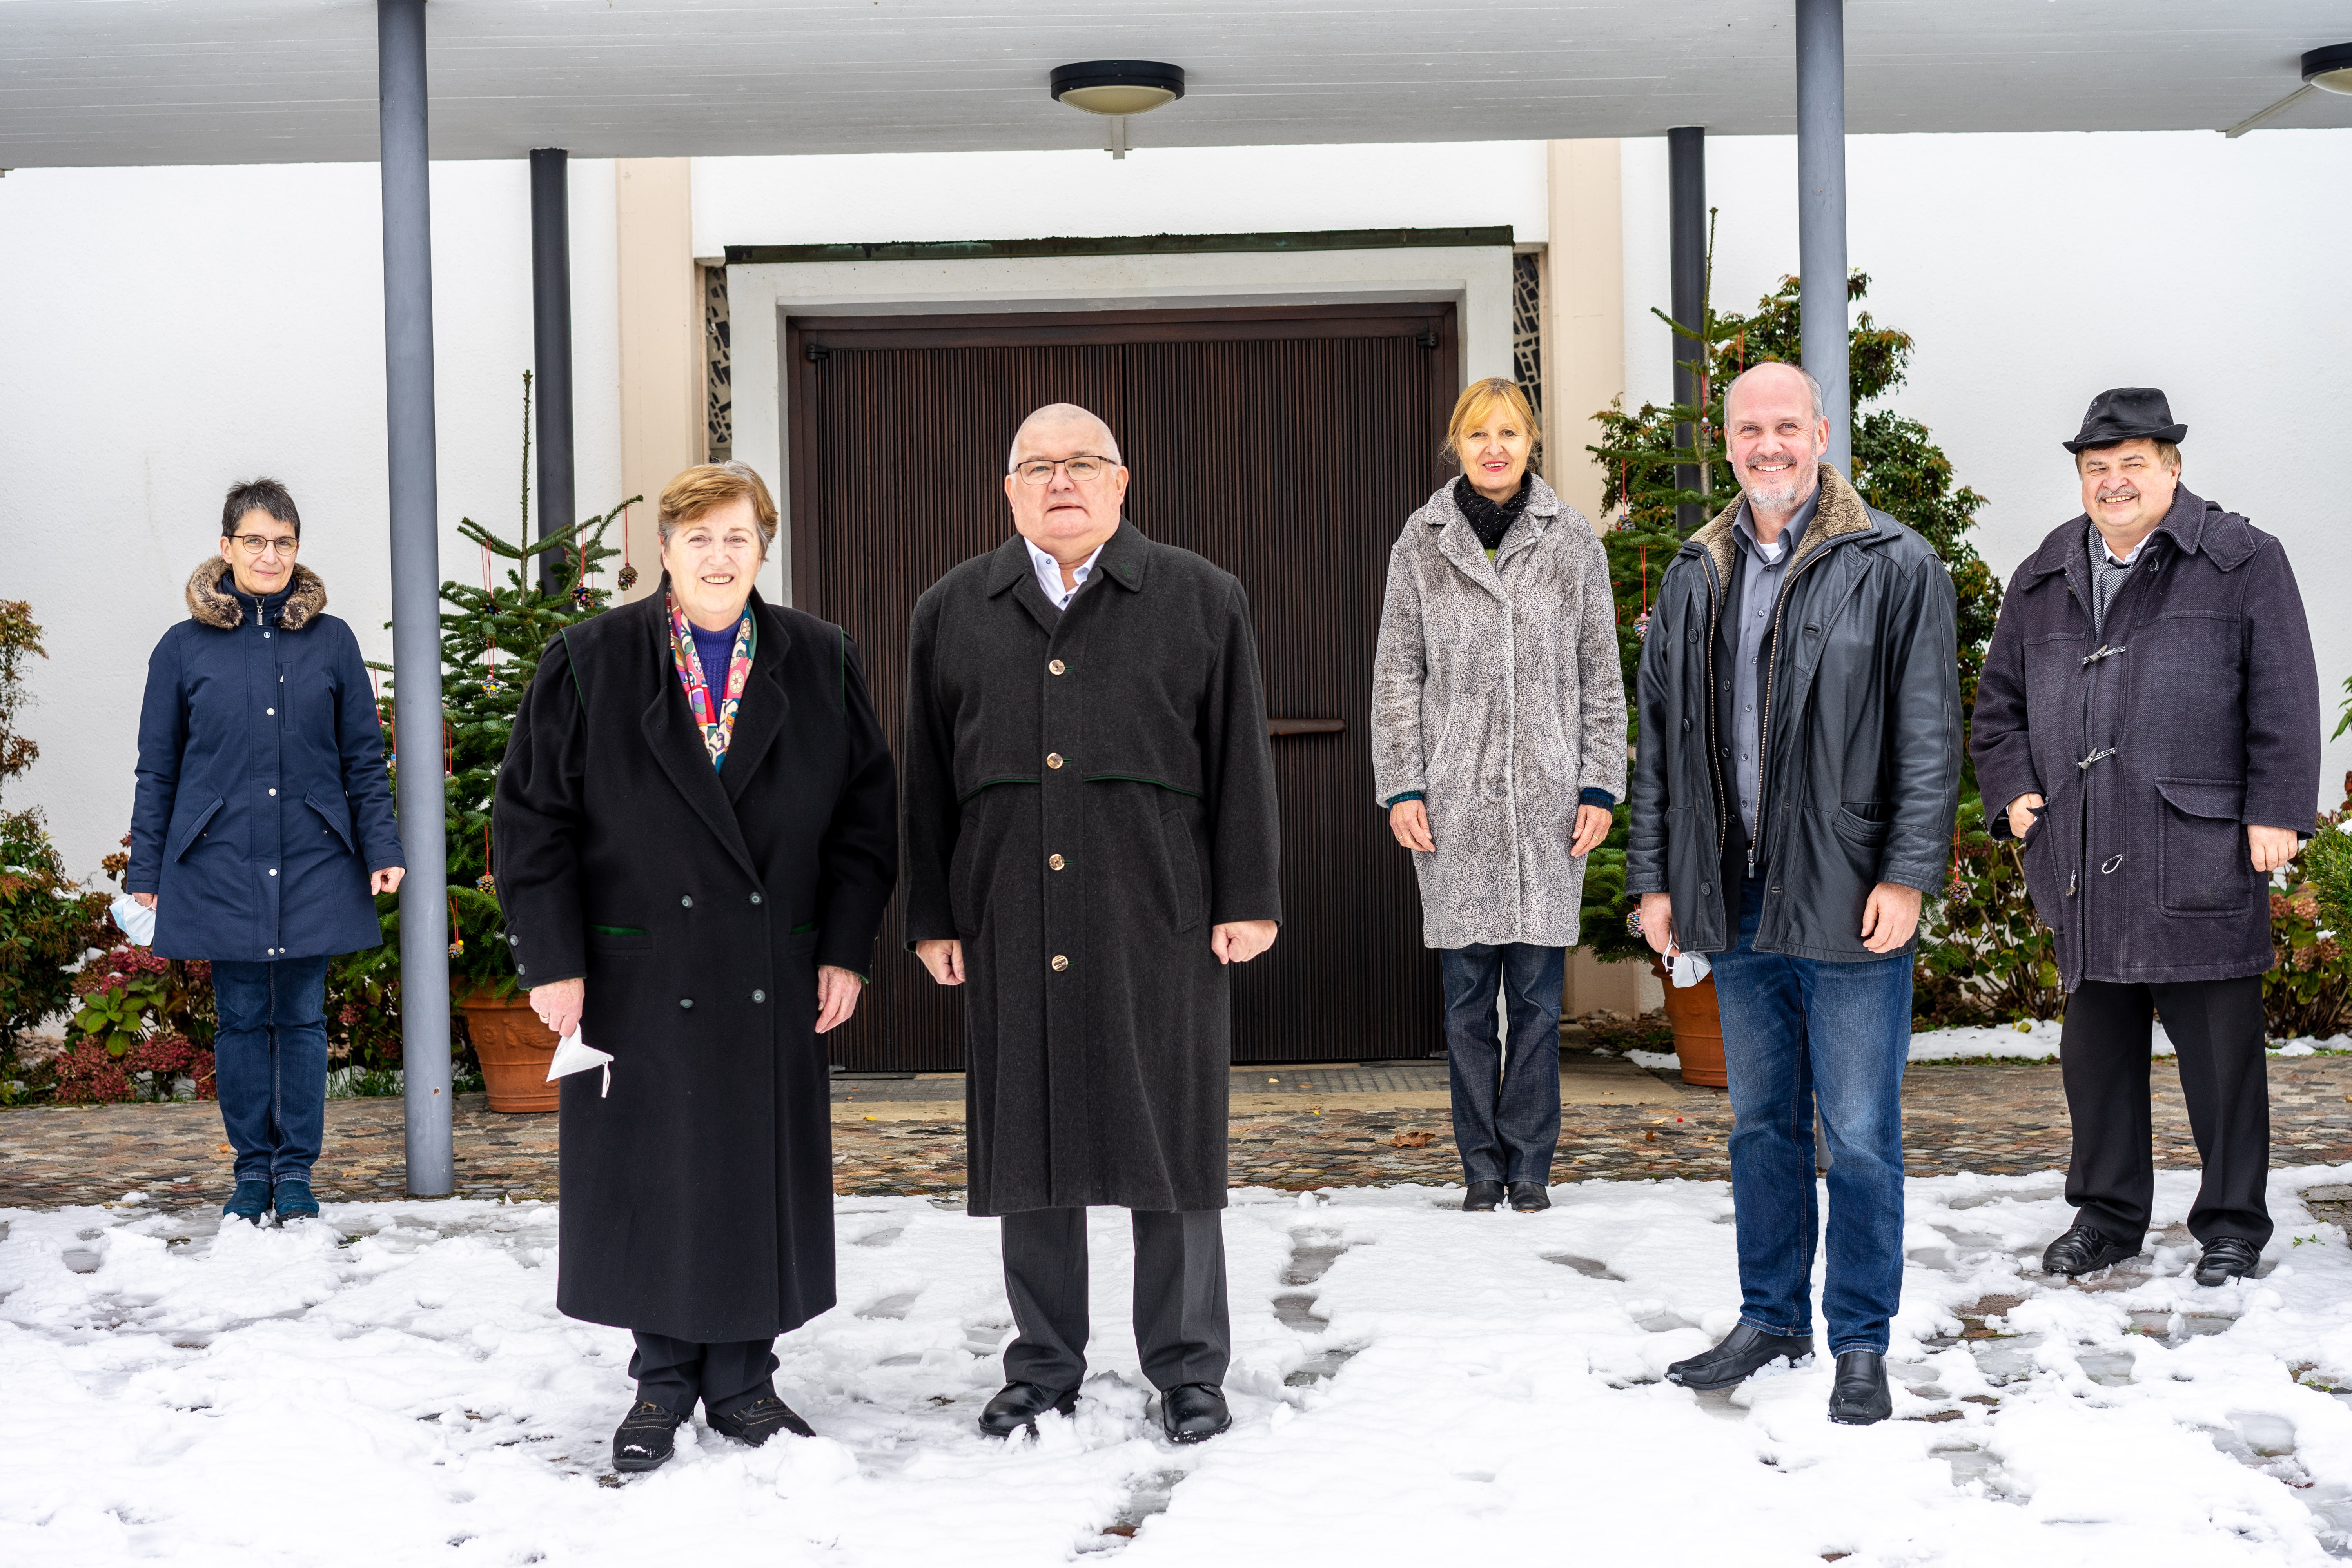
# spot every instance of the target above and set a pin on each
(137, 920)
(574, 1055)
(1689, 968)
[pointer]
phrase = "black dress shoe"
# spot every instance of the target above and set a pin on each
(1530, 1197)
(1860, 1397)
(1017, 1407)
(2082, 1250)
(1483, 1197)
(1194, 1413)
(1744, 1350)
(644, 1441)
(2227, 1258)
(759, 1421)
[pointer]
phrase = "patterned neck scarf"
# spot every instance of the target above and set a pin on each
(716, 718)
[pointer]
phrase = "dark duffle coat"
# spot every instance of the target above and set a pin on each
(1088, 793)
(697, 1198)
(262, 802)
(2194, 714)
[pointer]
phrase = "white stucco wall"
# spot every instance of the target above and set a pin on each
(166, 332)
(2034, 271)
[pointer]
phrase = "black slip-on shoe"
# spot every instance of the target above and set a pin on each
(1483, 1197)
(1860, 1397)
(1745, 1350)
(646, 1438)
(1017, 1407)
(2084, 1250)
(1530, 1197)
(757, 1422)
(2227, 1258)
(1194, 1413)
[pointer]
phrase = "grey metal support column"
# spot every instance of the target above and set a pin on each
(415, 594)
(1686, 211)
(1821, 213)
(551, 302)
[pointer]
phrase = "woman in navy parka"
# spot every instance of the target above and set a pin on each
(263, 828)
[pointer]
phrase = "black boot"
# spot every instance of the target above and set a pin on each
(1744, 1350)
(1483, 1197)
(1530, 1197)
(1194, 1413)
(2227, 1258)
(2084, 1250)
(1860, 1397)
(643, 1441)
(759, 1421)
(1017, 1407)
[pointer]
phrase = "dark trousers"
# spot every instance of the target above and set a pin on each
(2216, 1026)
(1505, 1103)
(674, 1374)
(1182, 1332)
(269, 1064)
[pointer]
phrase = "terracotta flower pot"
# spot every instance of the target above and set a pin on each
(1698, 1028)
(515, 1049)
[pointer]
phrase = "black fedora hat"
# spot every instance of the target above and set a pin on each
(2125, 413)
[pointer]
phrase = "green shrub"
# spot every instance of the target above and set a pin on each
(1984, 957)
(48, 921)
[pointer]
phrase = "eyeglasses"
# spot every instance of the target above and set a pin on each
(260, 544)
(1085, 470)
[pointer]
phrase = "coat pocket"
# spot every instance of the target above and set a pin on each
(1862, 821)
(1184, 865)
(337, 816)
(2203, 864)
(190, 830)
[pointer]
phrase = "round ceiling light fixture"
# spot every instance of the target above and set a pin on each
(2327, 69)
(1116, 90)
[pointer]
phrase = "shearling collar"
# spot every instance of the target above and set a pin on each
(1840, 512)
(216, 604)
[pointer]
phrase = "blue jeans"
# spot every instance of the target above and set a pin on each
(269, 1064)
(1798, 1032)
(1505, 1108)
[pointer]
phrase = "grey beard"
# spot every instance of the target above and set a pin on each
(1784, 497)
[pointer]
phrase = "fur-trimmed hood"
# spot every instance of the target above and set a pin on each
(215, 602)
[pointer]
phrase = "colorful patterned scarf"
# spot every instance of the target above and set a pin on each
(717, 719)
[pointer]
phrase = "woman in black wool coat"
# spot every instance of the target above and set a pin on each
(695, 837)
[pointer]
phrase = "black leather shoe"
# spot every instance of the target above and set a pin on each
(1860, 1397)
(1017, 1407)
(1483, 1197)
(1744, 1350)
(1194, 1413)
(759, 1421)
(1530, 1197)
(643, 1441)
(2227, 1258)
(2082, 1250)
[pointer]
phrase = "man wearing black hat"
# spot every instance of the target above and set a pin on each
(2148, 727)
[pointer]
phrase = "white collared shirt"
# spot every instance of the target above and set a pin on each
(1049, 572)
(2125, 560)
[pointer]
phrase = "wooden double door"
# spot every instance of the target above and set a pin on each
(1287, 445)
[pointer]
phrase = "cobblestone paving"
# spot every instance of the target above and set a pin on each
(1998, 1118)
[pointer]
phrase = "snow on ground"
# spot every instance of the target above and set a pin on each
(2033, 1042)
(392, 1384)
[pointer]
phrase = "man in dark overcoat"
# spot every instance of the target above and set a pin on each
(2147, 725)
(695, 837)
(1090, 837)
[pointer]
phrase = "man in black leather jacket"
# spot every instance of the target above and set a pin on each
(1792, 800)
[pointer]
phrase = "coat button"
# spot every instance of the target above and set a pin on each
(686, 1002)
(1059, 667)
(759, 996)
(273, 870)
(514, 942)
(273, 792)
(1056, 861)
(272, 712)
(685, 903)
(1707, 889)
(1061, 961)
(755, 898)
(1053, 759)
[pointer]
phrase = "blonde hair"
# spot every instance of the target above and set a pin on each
(710, 485)
(1478, 401)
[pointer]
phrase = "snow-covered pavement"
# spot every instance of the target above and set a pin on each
(392, 1384)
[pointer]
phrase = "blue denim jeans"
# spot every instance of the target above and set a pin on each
(1798, 1032)
(1506, 1108)
(269, 1063)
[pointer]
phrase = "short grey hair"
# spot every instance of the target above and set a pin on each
(1057, 414)
(1812, 387)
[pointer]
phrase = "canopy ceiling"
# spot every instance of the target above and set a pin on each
(218, 81)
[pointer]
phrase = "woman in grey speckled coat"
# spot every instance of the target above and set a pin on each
(1498, 748)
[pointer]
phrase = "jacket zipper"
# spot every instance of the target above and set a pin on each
(1722, 815)
(1764, 721)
